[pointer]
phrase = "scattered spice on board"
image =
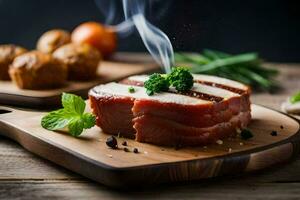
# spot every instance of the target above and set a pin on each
(246, 134)
(112, 142)
(135, 150)
(281, 127)
(274, 133)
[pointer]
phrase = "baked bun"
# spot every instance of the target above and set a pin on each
(37, 70)
(81, 59)
(53, 39)
(7, 54)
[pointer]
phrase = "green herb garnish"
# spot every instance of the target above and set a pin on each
(246, 134)
(245, 68)
(156, 83)
(295, 98)
(131, 90)
(71, 116)
(180, 78)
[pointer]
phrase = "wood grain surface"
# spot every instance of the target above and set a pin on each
(26, 176)
(88, 154)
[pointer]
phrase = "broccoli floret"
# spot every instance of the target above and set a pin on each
(156, 83)
(181, 79)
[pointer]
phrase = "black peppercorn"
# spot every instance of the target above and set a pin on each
(112, 142)
(126, 149)
(124, 143)
(135, 150)
(281, 127)
(274, 133)
(246, 134)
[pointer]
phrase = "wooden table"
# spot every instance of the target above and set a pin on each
(25, 176)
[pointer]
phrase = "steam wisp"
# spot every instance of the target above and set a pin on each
(156, 41)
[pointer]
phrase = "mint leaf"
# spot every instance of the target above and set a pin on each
(76, 127)
(89, 120)
(73, 103)
(295, 98)
(71, 115)
(55, 120)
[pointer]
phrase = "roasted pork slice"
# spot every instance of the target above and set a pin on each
(162, 131)
(212, 110)
(221, 102)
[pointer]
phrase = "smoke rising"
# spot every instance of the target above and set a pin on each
(156, 41)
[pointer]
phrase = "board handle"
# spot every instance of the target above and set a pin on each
(8, 114)
(5, 110)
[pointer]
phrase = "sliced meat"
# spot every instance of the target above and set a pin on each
(162, 131)
(114, 115)
(199, 115)
(212, 110)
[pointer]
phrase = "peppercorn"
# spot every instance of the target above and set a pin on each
(281, 127)
(135, 150)
(274, 133)
(112, 142)
(126, 149)
(246, 134)
(124, 143)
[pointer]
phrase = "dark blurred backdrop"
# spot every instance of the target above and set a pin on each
(270, 27)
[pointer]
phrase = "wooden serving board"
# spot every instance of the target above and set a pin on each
(89, 156)
(107, 71)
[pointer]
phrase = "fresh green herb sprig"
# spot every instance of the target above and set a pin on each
(245, 68)
(156, 83)
(180, 78)
(71, 116)
(295, 98)
(131, 90)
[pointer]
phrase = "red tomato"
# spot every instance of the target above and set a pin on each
(97, 35)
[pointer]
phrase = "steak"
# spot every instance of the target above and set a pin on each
(215, 108)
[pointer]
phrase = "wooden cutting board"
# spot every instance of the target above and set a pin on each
(107, 71)
(89, 156)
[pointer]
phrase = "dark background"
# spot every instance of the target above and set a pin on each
(270, 27)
